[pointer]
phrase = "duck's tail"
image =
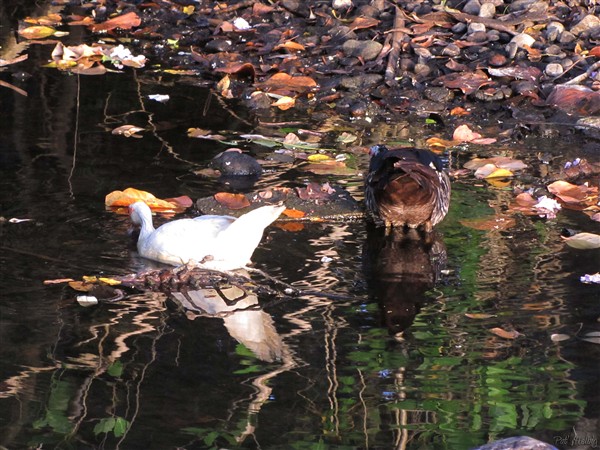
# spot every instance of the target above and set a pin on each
(240, 239)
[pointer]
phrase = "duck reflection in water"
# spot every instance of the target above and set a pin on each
(400, 267)
(242, 317)
(407, 193)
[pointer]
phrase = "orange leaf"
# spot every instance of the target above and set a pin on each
(232, 201)
(478, 315)
(183, 201)
(294, 213)
(464, 134)
(290, 45)
(282, 80)
(37, 32)
(131, 195)
(459, 111)
(504, 333)
(292, 227)
(124, 22)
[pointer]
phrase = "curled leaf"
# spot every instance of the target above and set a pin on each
(232, 201)
(505, 334)
(583, 241)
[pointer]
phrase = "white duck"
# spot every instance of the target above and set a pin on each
(215, 242)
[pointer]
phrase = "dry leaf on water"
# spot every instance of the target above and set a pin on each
(583, 241)
(505, 334)
(232, 201)
(571, 193)
(124, 22)
(294, 213)
(121, 199)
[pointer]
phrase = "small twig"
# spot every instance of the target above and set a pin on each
(584, 76)
(397, 35)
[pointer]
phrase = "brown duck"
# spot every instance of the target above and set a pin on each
(406, 187)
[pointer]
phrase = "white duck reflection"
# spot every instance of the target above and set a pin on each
(242, 316)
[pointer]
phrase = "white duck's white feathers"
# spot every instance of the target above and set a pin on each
(215, 242)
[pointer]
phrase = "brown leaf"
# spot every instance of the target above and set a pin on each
(363, 22)
(232, 201)
(238, 70)
(124, 22)
(182, 201)
(530, 73)
(572, 193)
(488, 223)
(281, 80)
(505, 334)
(468, 82)
(575, 100)
(50, 19)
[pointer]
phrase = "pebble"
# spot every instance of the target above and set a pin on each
(472, 7)
(553, 31)
(364, 81)
(488, 10)
(451, 50)
(497, 59)
(438, 94)
(475, 27)
(342, 4)
(218, 45)
(554, 70)
(587, 23)
(523, 39)
(367, 50)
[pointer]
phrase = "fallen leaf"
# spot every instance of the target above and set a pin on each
(128, 131)
(50, 19)
(583, 241)
(37, 32)
(479, 315)
(183, 201)
(290, 45)
(500, 173)
(124, 22)
(571, 193)
(464, 134)
(81, 286)
(488, 223)
(232, 201)
(294, 213)
(468, 82)
(513, 334)
(557, 337)
(125, 198)
(292, 227)
(284, 103)
(59, 281)
(281, 80)
(575, 100)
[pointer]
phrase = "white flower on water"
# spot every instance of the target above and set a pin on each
(547, 207)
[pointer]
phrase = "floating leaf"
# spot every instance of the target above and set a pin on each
(488, 223)
(128, 131)
(590, 279)
(50, 19)
(290, 45)
(124, 22)
(81, 286)
(557, 337)
(592, 336)
(87, 300)
(232, 201)
(479, 315)
(500, 173)
(282, 80)
(125, 198)
(37, 32)
(505, 334)
(59, 281)
(285, 103)
(571, 193)
(294, 213)
(583, 241)
(109, 281)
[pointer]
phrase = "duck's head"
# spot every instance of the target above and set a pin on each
(139, 211)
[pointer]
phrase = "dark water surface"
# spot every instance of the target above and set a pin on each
(299, 373)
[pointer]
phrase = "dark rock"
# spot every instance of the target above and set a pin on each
(235, 163)
(472, 7)
(218, 45)
(438, 94)
(364, 81)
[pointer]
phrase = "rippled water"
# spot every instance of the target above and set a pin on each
(306, 372)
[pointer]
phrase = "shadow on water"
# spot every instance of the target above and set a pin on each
(154, 371)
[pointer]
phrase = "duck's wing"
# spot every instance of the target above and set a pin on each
(184, 240)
